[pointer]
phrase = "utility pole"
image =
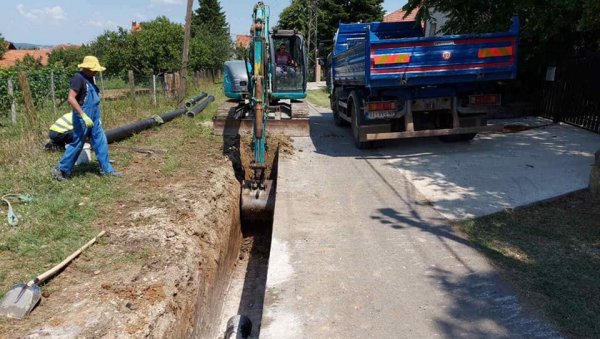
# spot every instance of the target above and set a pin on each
(317, 66)
(186, 51)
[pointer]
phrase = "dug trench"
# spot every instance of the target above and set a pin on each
(176, 261)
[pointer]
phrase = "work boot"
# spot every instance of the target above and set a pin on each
(58, 174)
(115, 174)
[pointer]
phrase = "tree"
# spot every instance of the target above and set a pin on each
(2, 46)
(68, 56)
(29, 63)
(156, 48)
(211, 44)
(330, 14)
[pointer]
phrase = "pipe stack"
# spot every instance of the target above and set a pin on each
(126, 131)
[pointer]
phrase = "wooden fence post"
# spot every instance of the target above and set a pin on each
(197, 78)
(154, 90)
(131, 86)
(53, 91)
(27, 99)
(13, 106)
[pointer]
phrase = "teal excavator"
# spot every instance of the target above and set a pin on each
(265, 94)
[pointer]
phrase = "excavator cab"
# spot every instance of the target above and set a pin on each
(288, 65)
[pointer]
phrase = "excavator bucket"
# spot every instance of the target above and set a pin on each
(257, 205)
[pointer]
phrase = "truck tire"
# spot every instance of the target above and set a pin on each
(356, 112)
(337, 120)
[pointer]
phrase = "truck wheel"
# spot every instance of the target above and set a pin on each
(337, 120)
(356, 114)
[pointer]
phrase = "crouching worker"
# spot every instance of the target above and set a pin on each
(84, 98)
(61, 133)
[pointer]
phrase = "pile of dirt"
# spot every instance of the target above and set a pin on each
(169, 248)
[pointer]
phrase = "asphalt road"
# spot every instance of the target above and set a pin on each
(358, 252)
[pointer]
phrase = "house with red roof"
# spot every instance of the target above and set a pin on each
(430, 27)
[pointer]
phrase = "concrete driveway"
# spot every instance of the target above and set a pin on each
(359, 252)
(496, 171)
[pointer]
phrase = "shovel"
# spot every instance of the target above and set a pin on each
(21, 299)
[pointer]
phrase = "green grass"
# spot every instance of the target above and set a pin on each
(319, 97)
(551, 254)
(65, 215)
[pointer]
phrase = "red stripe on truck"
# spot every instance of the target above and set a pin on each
(440, 68)
(440, 43)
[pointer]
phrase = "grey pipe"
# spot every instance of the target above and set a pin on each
(194, 100)
(192, 113)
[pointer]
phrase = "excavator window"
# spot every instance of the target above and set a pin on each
(288, 63)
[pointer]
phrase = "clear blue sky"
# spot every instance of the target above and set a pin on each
(51, 22)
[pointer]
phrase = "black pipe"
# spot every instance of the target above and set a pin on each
(172, 115)
(124, 132)
(192, 113)
(193, 101)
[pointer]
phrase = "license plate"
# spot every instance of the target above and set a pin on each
(486, 99)
(381, 115)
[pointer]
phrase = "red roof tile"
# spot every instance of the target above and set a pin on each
(398, 16)
(10, 57)
(243, 40)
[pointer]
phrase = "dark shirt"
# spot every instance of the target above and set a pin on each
(79, 85)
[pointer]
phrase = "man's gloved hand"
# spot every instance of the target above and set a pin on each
(88, 122)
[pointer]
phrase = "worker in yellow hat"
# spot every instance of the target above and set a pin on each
(84, 98)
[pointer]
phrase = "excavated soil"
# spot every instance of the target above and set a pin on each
(170, 248)
(165, 266)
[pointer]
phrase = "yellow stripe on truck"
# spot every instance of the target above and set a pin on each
(389, 59)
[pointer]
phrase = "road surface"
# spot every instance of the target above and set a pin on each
(358, 252)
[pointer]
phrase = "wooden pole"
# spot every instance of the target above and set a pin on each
(13, 106)
(186, 51)
(27, 99)
(53, 91)
(131, 86)
(154, 89)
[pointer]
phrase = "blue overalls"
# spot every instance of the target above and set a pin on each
(91, 107)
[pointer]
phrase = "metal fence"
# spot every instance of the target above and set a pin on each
(571, 93)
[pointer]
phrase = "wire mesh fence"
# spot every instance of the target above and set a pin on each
(44, 91)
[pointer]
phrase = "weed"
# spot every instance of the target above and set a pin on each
(551, 253)
(319, 97)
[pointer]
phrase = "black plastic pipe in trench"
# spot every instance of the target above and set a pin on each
(193, 101)
(192, 113)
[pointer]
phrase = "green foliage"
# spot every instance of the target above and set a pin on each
(2, 46)
(69, 56)
(29, 63)
(211, 44)
(156, 48)
(330, 14)
(39, 83)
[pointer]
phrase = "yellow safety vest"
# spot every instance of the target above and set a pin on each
(64, 124)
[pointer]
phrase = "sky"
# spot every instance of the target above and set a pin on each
(52, 22)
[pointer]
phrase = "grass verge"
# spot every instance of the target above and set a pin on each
(65, 215)
(319, 97)
(551, 254)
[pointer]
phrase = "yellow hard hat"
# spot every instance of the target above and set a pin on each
(91, 62)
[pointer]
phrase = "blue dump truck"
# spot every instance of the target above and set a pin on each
(388, 81)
